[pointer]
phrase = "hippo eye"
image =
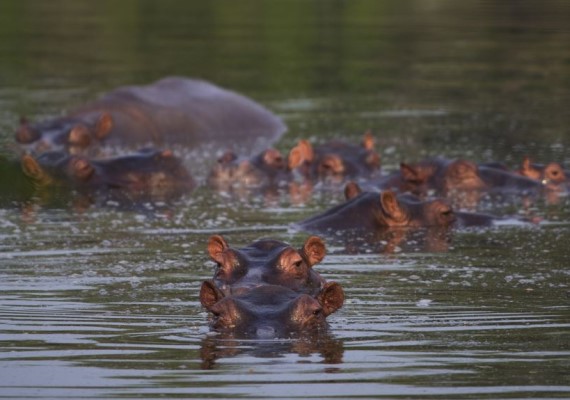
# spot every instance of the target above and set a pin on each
(317, 312)
(554, 173)
(297, 264)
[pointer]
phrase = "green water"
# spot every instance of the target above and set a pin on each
(103, 302)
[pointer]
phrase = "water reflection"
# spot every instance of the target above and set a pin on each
(215, 348)
(102, 301)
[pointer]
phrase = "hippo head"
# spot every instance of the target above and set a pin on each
(415, 178)
(551, 174)
(408, 210)
(267, 261)
(82, 136)
(74, 135)
(335, 161)
(269, 311)
(150, 172)
(230, 170)
(462, 175)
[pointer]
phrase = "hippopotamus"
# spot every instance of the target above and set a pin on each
(366, 211)
(267, 261)
(269, 311)
(147, 173)
(447, 177)
(268, 168)
(172, 110)
(552, 175)
(337, 160)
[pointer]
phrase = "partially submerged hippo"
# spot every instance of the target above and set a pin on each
(270, 311)
(268, 168)
(552, 175)
(148, 172)
(267, 261)
(370, 212)
(173, 110)
(445, 177)
(337, 160)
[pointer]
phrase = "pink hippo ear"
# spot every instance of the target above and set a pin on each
(103, 126)
(392, 207)
(301, 153)
(368, 140)
(351, 190)
(31, 167)
(313, 251)
(526, 164)
(331, 297)
(217, 245)
(210, 295)
(528, 170)
(25, 133)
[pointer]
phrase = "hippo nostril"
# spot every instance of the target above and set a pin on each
(265, 332)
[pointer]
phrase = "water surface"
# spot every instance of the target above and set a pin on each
(103, 301)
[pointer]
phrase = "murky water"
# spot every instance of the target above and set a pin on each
(103, 301)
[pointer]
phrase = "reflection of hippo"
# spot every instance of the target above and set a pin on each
(227, 344)
(267, 261)
(372, 211)
(149, 172)
(172, 110)
(337, 160)
(270, 311)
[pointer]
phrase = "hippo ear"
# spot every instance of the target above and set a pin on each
(331, 297)
(314, 250)
(79, 136)
(25, 133)
(526, 163)
(31, 167)
(210, 294)
(216, 246)
(351, 190)
(296, 157)
(103, 126)
(302, 152)
(368, 141)
(392, 206)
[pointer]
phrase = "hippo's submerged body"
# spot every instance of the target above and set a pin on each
(173, 110)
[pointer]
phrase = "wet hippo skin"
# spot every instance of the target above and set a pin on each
(267, 261)
(173, 110)
(148, 171)
(269, 311)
